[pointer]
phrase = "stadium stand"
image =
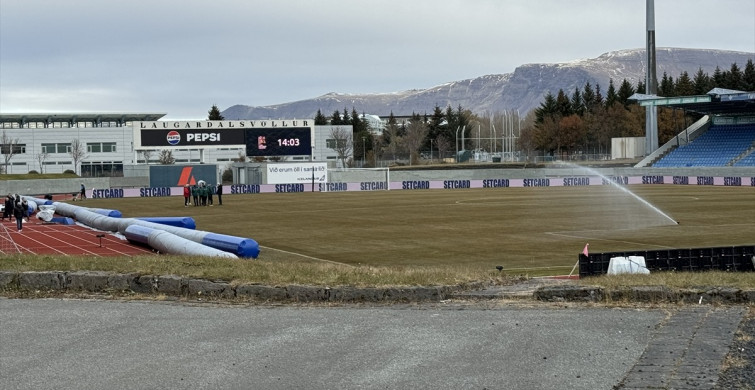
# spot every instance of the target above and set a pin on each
(721, 145)
(724, 136)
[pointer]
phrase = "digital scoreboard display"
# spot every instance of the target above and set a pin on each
(278, 141)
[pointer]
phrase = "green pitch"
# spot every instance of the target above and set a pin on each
(519, 228)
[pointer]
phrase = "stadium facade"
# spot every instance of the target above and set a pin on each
(113, 142)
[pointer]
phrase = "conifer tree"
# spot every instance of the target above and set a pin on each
(684, 85)
(748, 76)
(214, 114)
(320, 119)
(611, 97)
(577, 104)
(626, 90)
(702, 82)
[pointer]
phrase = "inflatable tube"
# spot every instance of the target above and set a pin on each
(170, 243)
(241, 247)
(107, 213)
(244, 247)
(31, 206)
(63, 220)
(182, 222)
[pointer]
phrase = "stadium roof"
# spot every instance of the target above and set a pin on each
(80, 117)
(718, 101)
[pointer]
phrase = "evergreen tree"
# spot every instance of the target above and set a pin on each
(611, 96)
(733, 79)
(666, 88)
(345, 118)
(640, 87)
(435, 123)
(563, 104)
(335, 119)
(358, 124)
(577, 105)
(320, 119)
(684, 85)
(588, 97)
(718, 78)
(214, 114)
(748, 76)
(626, 90)
(547, 108)
(598, 96)
(702, 82)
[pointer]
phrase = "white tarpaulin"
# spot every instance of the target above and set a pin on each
(627, 265)
(46, 212)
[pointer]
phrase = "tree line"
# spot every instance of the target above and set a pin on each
(581, 122)
(585, 121)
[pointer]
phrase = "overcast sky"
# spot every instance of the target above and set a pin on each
(181, 57)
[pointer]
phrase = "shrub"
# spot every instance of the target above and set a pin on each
(33, 172)
(227, 176)
(69, 171)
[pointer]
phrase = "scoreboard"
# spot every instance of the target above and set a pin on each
(265, 138)
(279, 141)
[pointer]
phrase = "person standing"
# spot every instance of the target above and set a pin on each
(83, 194)
(210, 191)
(187, 195)
(9, 205)
(219, 191)
(195, 195)
(203, 194)
(18, 212)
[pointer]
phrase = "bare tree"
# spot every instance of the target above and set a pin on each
(41, 158)
(78, 153)
(166, 157)
(394, 139)
(341, 142)
(147, 154)
(443, 145)
(416, 133)
(8, 148)
(242, 156)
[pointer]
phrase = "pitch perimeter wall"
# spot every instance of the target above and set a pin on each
(118, 187)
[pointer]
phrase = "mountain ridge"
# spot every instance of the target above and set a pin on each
(522, 90)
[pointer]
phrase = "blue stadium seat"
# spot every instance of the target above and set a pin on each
(716, 147)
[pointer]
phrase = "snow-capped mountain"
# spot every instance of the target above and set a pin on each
(521, 90)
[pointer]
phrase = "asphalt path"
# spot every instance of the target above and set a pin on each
(101, 344)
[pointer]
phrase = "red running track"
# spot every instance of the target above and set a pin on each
(40, 238)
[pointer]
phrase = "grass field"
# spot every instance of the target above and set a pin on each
(532, 230)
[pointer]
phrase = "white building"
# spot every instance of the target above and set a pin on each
(43, 142)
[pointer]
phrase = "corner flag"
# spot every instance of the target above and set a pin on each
(584, 251)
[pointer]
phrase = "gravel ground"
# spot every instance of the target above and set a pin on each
(740, 363)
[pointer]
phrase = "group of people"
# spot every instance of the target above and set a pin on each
(17, 208)
(201, 194)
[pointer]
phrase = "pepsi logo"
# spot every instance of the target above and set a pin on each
(174, 137)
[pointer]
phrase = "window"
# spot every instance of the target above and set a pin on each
(108, 147)
(56, 148)
(97, 147)
(17, 148)
(335, 143)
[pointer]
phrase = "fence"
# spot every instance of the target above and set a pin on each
(731, 258)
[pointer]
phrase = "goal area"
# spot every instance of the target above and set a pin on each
(367, 179)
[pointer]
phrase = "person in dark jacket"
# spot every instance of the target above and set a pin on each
(18, 212)
(9, 204)
(195, 195)
(219, 192)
